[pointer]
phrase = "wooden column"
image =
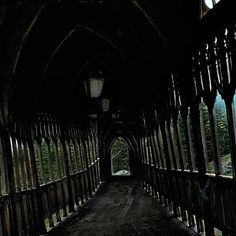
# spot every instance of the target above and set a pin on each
(41, 226)
(199, 140)
(87, 164)
(232, 130)
(165, 144)
(67, 170)
(5, 134)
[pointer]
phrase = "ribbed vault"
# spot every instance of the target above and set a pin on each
(64, 38)
(160, 67)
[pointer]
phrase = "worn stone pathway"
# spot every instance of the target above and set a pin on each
(122, 208)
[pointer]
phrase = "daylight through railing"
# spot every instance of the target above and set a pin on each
(50, 170)
(188, 154)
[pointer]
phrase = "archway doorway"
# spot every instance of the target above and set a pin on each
(120, 163)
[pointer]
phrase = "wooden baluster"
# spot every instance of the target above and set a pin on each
(171, 146)
(144, 150)
(191, 141)
(38, 208)
(30, 175)
(89, 169)
(160, 146)
(151, 163)
(176, 145)
(21, 164)
(67, 171)
(178, 142)
(199, 114)
(157, 150)
(94, 158)
(4, 186)
(15, 163)
(63, 174)
(185, 141)
(142, 160)
(92, 164)
(87, 163)
(154, 164)
(165, 145)
(217, 162)
(82, 180)
(231, 130)
(168, 193)
(6, 145)
(79, 163)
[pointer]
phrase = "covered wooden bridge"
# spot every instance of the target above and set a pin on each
(120, 113)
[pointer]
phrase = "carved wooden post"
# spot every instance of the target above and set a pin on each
(39, 214)
(67, 169)
(171, 145)
(87, 163)
(231, 129)
(199, 141)
(5, 134)
(165, 144)
(160, 145)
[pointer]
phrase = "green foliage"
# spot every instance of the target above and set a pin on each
(119, 156)
(183, 139)
(78, 156)
(53, 161)
(217, 232)
(44, 155)
(91, 151)
(72, 157)
(60, 155)
(82, 153)
(50, 163)
(207, 129)
(222, 136)
(222, 126)
(226, 165)
(208, 137)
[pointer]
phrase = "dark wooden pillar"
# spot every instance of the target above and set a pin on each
(5, 134)
(39, 214)
(67, 169)
(86, 153)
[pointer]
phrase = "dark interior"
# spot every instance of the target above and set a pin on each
(163, 66)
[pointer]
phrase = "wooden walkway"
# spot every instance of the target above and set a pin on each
(121, 209)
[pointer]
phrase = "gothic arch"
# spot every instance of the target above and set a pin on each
(112, 134)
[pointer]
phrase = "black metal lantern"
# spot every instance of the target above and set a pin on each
(105, 104)
(94, 84)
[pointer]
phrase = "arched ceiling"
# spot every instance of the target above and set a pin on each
(69, 38)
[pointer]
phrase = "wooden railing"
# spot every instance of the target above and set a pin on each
(188, 152)
(48, 171)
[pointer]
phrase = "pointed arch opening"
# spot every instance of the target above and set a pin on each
(120, 163)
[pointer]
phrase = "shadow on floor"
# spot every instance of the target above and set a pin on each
(120, 209)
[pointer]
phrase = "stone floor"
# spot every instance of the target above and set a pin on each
(122, 208)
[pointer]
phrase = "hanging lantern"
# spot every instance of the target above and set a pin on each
(94, 84)
(106, 104)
